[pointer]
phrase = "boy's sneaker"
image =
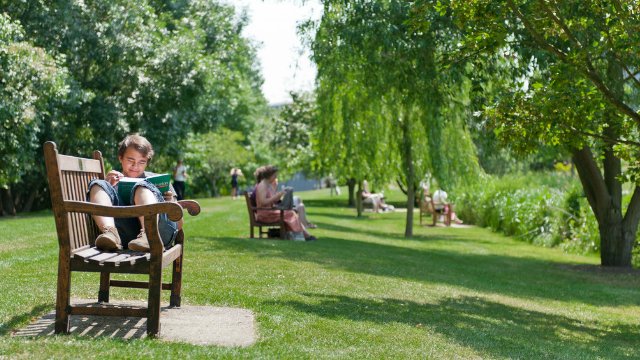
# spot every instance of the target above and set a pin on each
(141, 243)
(109, 239)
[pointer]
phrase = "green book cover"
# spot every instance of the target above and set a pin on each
(125, 185)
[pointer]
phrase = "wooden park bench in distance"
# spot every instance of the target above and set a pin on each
(428, 208)
(253, 222)
(68, 178)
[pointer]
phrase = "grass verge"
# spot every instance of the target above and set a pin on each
(361, 291)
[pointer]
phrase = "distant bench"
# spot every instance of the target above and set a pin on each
(253, 222)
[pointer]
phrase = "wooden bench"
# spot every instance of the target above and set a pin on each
(253, 222)
(68, 180)
(428, 208)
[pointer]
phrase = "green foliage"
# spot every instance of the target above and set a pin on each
(85, 74)
(387, 110)
(210, 157)
(566, 77)
(283, 138)
(549, 209)
(33, 90)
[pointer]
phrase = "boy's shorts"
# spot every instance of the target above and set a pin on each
(129, 228)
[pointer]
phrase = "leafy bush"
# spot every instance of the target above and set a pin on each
(548, 209)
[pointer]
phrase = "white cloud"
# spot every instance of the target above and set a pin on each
(285, 64)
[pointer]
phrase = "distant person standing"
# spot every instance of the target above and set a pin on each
(235, 173)
(332, 184)
(179, 178)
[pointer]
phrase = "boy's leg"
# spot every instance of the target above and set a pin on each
(142, 196)
(109, 239)
(97, 195)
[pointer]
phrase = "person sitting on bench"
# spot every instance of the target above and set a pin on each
(268, 197)
(375, 199)
(444, 207)
(134, 154)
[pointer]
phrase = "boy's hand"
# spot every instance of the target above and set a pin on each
(169, 196)
(113, 177)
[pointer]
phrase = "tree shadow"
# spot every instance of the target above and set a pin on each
(395, 235)
(524, 277)
(488, 327)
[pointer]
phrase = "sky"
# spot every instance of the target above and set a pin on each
(284, 61)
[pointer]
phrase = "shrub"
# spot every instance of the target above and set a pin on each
(548, 209)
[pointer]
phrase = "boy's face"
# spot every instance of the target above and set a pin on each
(133, 163)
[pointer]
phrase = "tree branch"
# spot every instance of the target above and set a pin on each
(590, 71)
(603, 137)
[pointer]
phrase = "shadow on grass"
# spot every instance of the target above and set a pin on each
(488, 327)
(395, 235)
(524, 277)
(22, 318)
(336, 203)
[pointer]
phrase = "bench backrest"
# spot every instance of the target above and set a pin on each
(68, 178)
(426, 203)
(250, 207)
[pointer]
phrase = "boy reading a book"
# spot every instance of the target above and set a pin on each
(134, 154)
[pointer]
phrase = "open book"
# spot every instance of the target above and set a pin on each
(125, 185)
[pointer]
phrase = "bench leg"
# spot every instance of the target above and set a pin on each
(63, 297)
(103, 293)
(176, 283)
(153, 305)
(176, 276)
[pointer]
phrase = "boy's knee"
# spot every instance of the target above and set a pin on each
(96, 189)
(143, 195)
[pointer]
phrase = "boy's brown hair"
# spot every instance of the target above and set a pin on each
(140, 143)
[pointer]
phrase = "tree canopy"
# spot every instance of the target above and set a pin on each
(386, 109)
(86, 73)
(573, 83)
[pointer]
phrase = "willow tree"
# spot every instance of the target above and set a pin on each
(575, 83)
(380, 97)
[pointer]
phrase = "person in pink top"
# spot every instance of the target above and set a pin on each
(267, 196)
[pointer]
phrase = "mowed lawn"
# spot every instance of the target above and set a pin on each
(361, 291)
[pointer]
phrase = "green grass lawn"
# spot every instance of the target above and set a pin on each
(361, 291)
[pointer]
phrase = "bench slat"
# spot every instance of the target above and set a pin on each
(86, 253)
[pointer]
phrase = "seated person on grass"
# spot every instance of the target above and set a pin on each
(134, 153)
(375, 199)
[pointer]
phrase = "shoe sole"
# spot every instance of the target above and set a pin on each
(136, 247)
(107, 244)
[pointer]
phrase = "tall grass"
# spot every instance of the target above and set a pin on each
(548, 209)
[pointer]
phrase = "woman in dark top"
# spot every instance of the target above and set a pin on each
(235, 172)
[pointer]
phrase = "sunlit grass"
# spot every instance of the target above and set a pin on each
(361, 291)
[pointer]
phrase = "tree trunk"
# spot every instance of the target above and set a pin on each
(617, 233)
(410, 173)
(7, 201)
(358, 200)
(351, 183)
(604, 190)
(28, 204)
(214, 188)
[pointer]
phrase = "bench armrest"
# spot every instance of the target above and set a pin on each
(192, 206)
(173, 210)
